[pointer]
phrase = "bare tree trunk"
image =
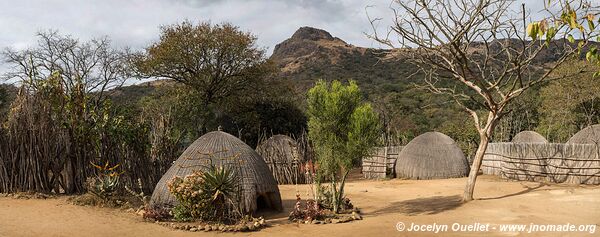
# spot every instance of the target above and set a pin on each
(485, 134)
(470, 188)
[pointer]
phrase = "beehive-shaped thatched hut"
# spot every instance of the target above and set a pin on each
(431, 155)
(259, 189)
(589, 135)
(282, 155)
(529, 137)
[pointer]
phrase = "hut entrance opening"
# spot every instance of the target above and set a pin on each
(262, 203)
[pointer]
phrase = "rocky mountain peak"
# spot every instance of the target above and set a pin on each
(313, 34)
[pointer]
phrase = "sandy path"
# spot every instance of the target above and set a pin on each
(384, 203)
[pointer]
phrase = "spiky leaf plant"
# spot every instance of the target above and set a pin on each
(212, 195)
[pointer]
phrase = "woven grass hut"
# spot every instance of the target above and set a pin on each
(431, 155)
(259, 189)
(281, 153)
(589, 135)
(529, 137)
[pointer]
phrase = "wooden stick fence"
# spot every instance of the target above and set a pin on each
(557, 163)
(381, 163)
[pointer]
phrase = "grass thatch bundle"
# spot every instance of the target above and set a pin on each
(282, 155)
(431, 155)
(589, 135)
(529, 137)
(259, 189)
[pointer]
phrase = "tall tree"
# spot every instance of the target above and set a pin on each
(487, 53)
(88, 68)
(342, 128)
(216, 61)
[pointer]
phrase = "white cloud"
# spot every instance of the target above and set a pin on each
(135, 23)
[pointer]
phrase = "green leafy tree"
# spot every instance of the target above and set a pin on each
(342, 128)
(216, 61)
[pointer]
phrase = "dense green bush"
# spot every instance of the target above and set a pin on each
(212, 195)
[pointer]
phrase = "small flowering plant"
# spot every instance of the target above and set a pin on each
(187, 191)
(210, 195)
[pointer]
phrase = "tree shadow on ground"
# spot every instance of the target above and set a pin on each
(527, 190)
(422, 206)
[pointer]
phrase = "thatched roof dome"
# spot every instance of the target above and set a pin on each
(278, 148)
(431, 155)
(589, 135)
(529, 137)
(281, 154)
(223, 149)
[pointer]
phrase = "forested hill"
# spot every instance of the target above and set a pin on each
(312, 53)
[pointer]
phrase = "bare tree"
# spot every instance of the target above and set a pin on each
(88, 67)
(481, 53)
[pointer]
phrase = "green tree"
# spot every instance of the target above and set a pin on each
(342, 128)
(217, 61)
(570, 104)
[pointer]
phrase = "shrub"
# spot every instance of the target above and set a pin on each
(310, 211)
(106, 182)
(157, 212)
(208, 196)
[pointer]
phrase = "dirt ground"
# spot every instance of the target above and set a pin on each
(383, 203)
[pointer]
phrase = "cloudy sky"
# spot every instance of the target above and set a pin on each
(135, 23)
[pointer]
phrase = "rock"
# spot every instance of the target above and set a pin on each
(335, 221)
(221, 227)
(251, 227)
(200, 227)
(316, 222)
(261, 221)
(193, 229)
(207, 227)
(346, 219)
(328, 221)
(356, 216)
(242, 227)
(141, 212)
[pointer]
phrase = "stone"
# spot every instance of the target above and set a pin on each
(193, 229)
(316, 222)
(335, 221)
(346, 219)
(251, 227)
(207, 227)
(356, 216)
